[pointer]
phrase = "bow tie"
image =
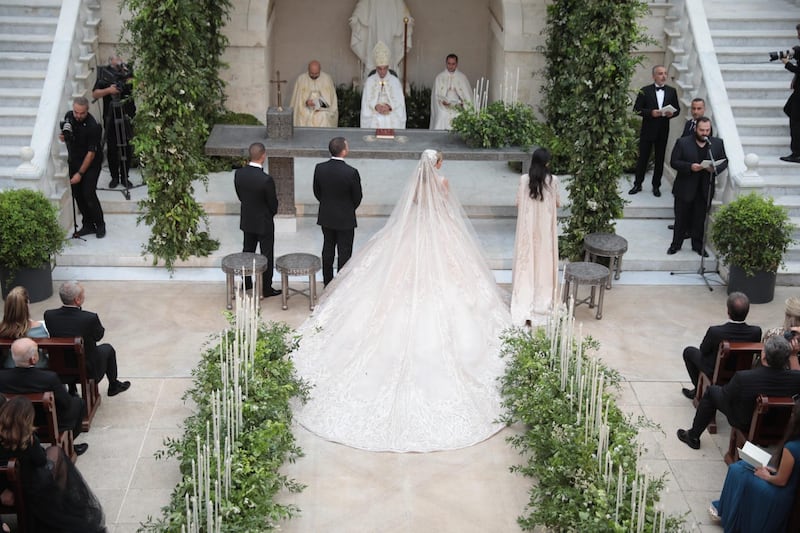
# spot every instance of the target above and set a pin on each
(659, 88)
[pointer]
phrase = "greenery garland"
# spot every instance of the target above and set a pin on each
(177, 46)
(265, 444)
(590, 64)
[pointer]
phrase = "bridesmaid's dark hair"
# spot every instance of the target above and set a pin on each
(539, 175)
(792, 432)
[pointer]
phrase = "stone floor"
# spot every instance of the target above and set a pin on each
(160, 327)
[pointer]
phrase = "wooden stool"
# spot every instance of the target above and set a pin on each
(244, 264)
(606, 245)
(586, 273)
(298, 264)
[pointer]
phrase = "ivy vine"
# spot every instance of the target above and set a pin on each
(591, 59)
(177, 45)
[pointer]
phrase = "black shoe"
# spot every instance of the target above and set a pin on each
(791, 158)
(672, 250)
(704, 253)
(656, 192)
(635, 189)
(671, 226)
(101, 231)
(684, 437)
(119, 386)
(269, 291)
(81, 448)
(113, 183)
(87, 229)
(689, 393)
(128, 184)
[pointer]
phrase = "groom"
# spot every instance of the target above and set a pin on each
(337, 186)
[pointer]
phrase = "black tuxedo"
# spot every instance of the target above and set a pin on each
(71, 321)
(337, 186)
(69, 409)
(704, 358)
(693, 190)
(256, 192)
(737, 398)
(654, 131)
(690, 126)
(792, 107)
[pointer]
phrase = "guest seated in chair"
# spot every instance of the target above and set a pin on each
(790, 329)
(72, 321)
(761, 499)
(17, 322)
(737, 398)
(703, 359)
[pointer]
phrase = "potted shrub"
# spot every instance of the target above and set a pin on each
(30, 236)
(751, 234)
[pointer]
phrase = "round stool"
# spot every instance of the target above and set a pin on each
(606, 245)
(244, 264)
(586, 273)
(298, 264)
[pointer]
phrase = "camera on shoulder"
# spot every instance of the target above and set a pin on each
(67, 130)
(785, 54)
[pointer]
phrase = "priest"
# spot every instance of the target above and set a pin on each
(451, 90)
(383, 104)
(314, 99)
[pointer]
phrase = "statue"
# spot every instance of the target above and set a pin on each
(376, 21)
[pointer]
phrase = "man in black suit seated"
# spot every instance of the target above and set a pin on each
(704, 359)
(654, 133)
(256, 191)
(337, 186)
(737, 399)
(72, 321)
(26, 378)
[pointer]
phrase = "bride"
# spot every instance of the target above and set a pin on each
(402, 351)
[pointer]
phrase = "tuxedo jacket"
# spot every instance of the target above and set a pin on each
(337, 186)
(687, 129)
(256, 192)
(690, 185)
(70, 321)
(730, 331)
(745, 386)
(792, 107)
(24, 380)
(655, 128)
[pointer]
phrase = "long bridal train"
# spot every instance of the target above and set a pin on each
(403, 349)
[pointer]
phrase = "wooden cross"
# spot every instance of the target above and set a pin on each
(278, 82)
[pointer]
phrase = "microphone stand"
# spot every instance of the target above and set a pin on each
(709, 197)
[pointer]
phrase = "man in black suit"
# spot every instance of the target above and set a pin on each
(737, 398)
(25, 378)
(337, 186)
(655, 126)
(736, 329)
(256, 191)
(694, 184)
(792, 107)
(698, 110)
(72, 321)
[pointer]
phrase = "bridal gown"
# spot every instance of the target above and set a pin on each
(402, 351)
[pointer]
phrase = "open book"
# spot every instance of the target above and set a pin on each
(667, 109)
(753, 455)
(708, 164)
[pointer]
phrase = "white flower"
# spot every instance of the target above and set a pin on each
(592, 205)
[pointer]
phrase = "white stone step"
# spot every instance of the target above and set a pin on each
(18, 79)
(757, 108)
(17, 116)
(28, 25)
(770, 40)
(25, 97)
(760, 90)
(771, 72)
(742, 55)
(24, 60)
(10, 42)
(764, 145)
(45, 8)
(751, 126)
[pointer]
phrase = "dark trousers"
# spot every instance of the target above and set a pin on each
(335, 241)
(85, 195)
(713, 400)
(696, 363)
(690, 217)
(794, 131)
(266, 245)
(645, 147)
(103, 362)
(116, 166)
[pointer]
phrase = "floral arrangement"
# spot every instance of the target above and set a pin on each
(582, 450)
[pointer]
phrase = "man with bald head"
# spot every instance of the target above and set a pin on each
(25, 378)
(314, 99)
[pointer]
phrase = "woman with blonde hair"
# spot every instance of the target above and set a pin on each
(17, 323)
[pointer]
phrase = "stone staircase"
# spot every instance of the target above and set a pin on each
(27, 30)
(743, 33)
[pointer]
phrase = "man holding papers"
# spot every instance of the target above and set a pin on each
(656, 104)
(694, 183)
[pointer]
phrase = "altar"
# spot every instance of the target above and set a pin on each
(233, 141)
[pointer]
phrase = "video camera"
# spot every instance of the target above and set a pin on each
(67, 130)
(787, 54)
(119, 77)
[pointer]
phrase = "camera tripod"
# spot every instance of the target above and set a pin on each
(121, 127)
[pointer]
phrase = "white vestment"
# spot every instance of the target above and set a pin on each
(403, 350)
(386, 90)
(325, 113)
(452, 88)
(379, 20)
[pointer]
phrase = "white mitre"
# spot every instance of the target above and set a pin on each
(381, 54)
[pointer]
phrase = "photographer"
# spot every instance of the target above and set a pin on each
(82, 135)
(114, 86)
(792, 107)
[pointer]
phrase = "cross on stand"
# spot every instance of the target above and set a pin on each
(278, 82)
